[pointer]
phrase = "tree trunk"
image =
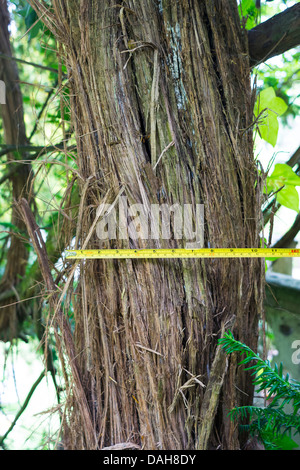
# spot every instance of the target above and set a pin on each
(144, 74)
(14, 134)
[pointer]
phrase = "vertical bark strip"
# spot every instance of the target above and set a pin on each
(144, 74)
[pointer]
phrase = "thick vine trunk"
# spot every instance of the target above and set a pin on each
(144, 74)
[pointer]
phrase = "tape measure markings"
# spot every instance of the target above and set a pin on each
(183, 253)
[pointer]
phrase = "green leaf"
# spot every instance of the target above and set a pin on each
(284, 442)
(248, 11)
(33, 26)
(267, 99)
(284, 174)
(269, 128)
(270, 107)
(11, 226)
(289, 197)
(284, 177)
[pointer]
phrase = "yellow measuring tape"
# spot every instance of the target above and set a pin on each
(184, 253)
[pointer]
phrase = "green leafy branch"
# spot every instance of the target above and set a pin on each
(283, 181)
(271, 418)
(271, 424)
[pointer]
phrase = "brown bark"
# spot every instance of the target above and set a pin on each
(275, 36)
(14, 134)
(146, 331)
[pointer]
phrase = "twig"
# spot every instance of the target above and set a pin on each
(153, 107)
(164, 150)
(212, 392)
(33, 148)
(271, 224)
(23, 407)
(289, 236)
(44, 67)
(32, 26)
(42, 110)
(293, 160)
(18, 301)
(60, 321)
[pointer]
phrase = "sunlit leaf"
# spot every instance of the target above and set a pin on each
(268, 107)
(283, 174)
(284, 179)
